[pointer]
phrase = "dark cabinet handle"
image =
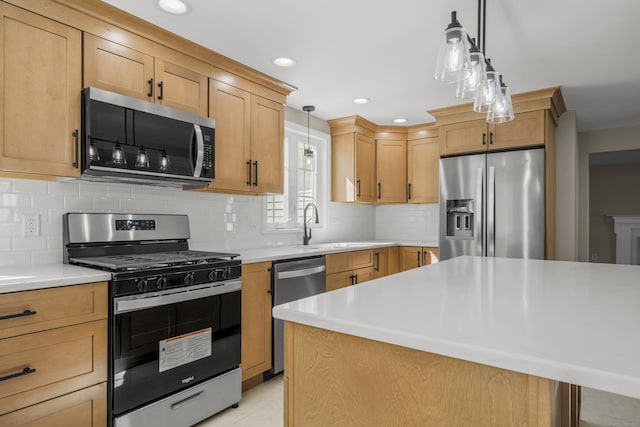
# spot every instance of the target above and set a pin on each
(75, 139)
(419, 258)
(377, 267)
(424, 257)
(23, 314)
(351, 278)
(150, 81)
(255, 181)
(25, 371)
(490, 137)
(161, 86)
(356, 276)
(484, 138)
(379, 190)
(358, 182)
(409, 191)
(249, 172)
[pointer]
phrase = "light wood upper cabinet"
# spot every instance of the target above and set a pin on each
(391, 171)
(127, 71)
(353, 160)
(249, 154)
(423, 157)
(267, 145)
(41, 66)
(526, 130)
(256, 319)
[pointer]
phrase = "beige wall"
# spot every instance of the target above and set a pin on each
(627, 138)
(613, 189)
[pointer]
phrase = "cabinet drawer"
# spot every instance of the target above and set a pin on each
(53, 308)
(338, 280)
(337, 262)
(63, 360)
(82, 408)
(360, 259)
(349, 261)
(363, 275)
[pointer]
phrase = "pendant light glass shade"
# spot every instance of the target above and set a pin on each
(142, 159)
(453, 53)
(485, 94)
(502, 109)
(117, 155)
(473, 72)
(164, 162)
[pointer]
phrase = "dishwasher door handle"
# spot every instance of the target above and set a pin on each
(299, 273)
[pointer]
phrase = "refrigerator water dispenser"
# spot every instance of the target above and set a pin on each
(460, 215)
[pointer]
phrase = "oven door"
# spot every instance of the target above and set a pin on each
(166, 341)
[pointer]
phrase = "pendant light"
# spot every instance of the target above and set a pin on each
(117, 155)
(462, 61)
(453, 52)
(142, 159)
(308, 151)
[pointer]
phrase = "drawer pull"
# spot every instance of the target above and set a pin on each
(25, 371)
(23, 314)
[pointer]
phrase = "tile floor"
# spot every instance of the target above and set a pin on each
(260, 406)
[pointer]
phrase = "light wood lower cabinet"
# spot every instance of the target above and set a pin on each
(40, 87)
(416, 256)
(256, 319)
(385, 261)
(349, 268)
(53, 356)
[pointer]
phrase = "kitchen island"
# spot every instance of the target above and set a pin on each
(468, 341)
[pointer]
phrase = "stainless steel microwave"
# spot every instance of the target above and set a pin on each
(129, 140)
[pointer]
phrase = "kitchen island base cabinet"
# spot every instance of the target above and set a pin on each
(338, 379)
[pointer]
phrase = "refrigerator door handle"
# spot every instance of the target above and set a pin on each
(491, 212)
(479, 232)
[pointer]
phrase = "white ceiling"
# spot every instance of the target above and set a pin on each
(386, 50)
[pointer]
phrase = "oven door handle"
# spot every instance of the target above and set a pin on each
(156, 299)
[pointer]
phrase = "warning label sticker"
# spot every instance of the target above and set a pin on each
(183, 349)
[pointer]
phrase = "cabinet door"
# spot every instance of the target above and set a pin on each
(337, 262)
(391, 171)
(256, 319)
(380, 262)
(422, 177)
(410, 257)
(465, 137)
(526, 129)
(360, 259)
(41, 82)
(82, 408)
(343, 181)
(180, 88)
(116, 68)
(430, 255)
(339, 280)
(362, 275)
(267, 145)
(365, 180)
(231, 109)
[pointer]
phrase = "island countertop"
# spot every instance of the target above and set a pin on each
(577, 323)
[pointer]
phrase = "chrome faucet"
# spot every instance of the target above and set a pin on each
(306, 238)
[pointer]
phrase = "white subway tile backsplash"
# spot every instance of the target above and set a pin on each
(130, 205)
(5, 185)
(119, 191)
(5, 244)
(64, 188)
(10, 229)
(6, 214)
(30, 186)
(47, 257)
(142, 192)
(41, 201)
(15, 258)
(15, 200)
(106, 205)
(28, 243)
(78, 204)
(93, 189)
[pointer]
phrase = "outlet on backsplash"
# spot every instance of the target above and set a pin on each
(31, 225)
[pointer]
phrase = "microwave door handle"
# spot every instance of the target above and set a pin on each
(197, 170)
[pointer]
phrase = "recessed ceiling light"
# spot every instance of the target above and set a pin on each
(175, 7)
(399, 121)
(284, 62)
(361, 101)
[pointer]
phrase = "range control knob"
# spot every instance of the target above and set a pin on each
(161, 282)
(188, 279)
(142, 285)
(212, 275)
(229, 272)
(222, 274)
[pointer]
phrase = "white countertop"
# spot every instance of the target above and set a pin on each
(27, 277)
(276, 253)
(573, 322)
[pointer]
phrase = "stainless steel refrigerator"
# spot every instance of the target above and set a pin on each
(493, 205)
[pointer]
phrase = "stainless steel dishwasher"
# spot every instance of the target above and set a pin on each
(292, 280)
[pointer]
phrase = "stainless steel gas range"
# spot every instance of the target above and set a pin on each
(174, 329)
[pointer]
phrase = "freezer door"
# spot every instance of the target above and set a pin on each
(516, 204)
(462, 189)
